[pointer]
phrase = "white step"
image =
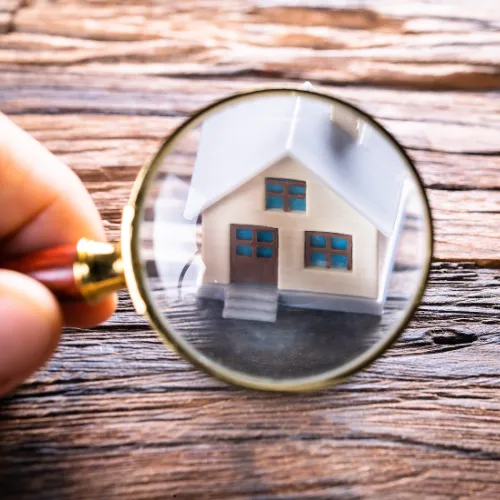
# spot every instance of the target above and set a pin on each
(251, 314)
(257, 292)
(249, 303)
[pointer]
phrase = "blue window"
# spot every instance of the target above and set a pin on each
(275, 202)
(338, 260)
(243, 234)
(285, 194)
(274, 187)
(328, 250)
(265, 236)
(294, 189)
(338, 243)
(317, 241)
(264, 252)
(252, 243)
(297, 204)
(318, 259)
(244, 250)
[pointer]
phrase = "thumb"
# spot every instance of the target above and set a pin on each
(30, 325)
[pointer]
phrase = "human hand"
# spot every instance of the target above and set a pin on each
(42, 204)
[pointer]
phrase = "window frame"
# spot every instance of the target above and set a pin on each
(328, 250)
(254, 242)
(285, 195)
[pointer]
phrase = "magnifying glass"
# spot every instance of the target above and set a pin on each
(279, 239)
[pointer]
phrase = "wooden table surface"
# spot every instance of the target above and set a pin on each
(114, 414)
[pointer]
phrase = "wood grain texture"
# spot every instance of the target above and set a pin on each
(115, 414)
(383, 43)
(8, 9)
(451, 136)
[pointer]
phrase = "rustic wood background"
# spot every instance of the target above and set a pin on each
(115, 415)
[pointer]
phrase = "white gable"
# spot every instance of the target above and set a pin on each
(246, 138)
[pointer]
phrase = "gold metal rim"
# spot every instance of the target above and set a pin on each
(144, 303)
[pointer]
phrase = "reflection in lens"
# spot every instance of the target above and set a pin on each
(284, 236)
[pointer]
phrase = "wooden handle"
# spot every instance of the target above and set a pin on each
(52, 267)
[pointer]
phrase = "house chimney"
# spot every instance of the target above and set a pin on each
(348, 128)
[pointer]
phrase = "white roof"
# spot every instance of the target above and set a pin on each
(247, 137)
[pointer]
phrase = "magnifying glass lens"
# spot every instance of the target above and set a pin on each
(283, 240)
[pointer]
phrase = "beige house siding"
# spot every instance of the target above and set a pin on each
(325, 211)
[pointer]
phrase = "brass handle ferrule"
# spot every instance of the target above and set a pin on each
(98, 269)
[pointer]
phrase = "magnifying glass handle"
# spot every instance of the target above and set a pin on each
(88, 270)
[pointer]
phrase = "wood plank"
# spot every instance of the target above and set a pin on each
(423, 420)
(444, 122)
(8, 9)
(107, 152)
(467, 162)
(451, 45)
(466, 225)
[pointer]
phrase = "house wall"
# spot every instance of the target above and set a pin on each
(383, 243)
(325, 211)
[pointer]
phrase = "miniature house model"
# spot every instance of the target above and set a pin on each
(301, 204)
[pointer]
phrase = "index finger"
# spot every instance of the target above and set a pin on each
(39, 190)
(44, 204)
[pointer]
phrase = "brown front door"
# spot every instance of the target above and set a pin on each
(254, 254)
